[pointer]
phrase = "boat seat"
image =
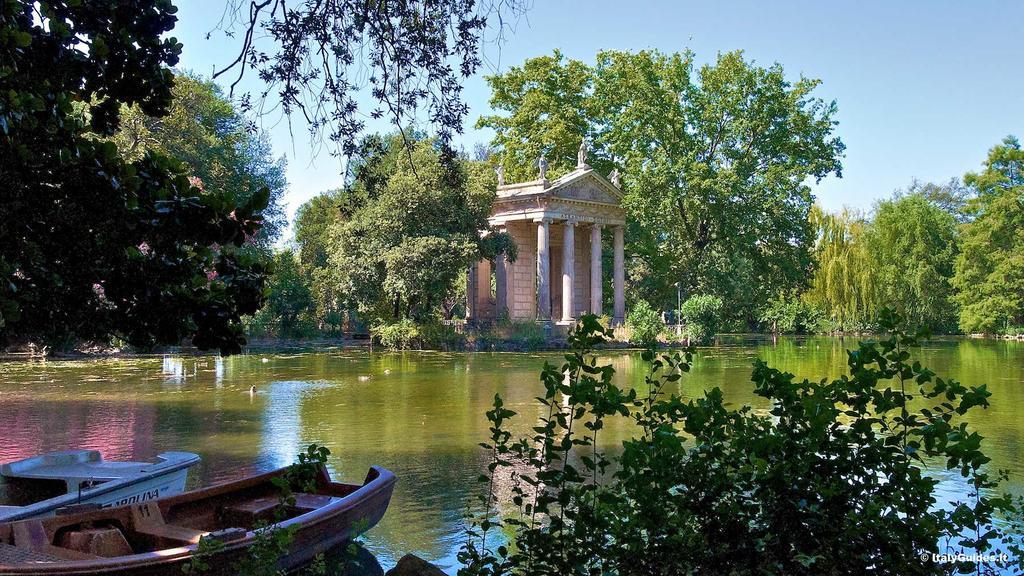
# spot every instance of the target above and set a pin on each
(149, 520)
(32, 539)
(309, 502)
(106, 541)
(250, 511)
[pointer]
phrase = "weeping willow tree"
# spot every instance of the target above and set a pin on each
(844, 284)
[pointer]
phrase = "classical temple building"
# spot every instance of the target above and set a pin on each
(557, 227)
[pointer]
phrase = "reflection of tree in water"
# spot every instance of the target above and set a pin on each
(119, 430)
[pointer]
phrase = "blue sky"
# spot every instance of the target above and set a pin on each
(924, 89)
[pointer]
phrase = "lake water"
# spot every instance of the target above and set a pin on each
(418, 414)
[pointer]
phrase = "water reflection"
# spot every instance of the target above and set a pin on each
(173, 370)
(218, 371)
(419, 414)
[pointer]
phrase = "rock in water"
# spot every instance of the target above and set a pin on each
(411, 565)
(352, 560)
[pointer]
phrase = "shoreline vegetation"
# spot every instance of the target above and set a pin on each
(326, 344)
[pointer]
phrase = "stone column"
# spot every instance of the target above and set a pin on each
(568, 270)
(483, 290)
(619, 276)
(543, 270)
(500, 286)
(595, 269)
(471, 293)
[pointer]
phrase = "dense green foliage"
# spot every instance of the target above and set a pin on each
(545, 106)
(990, 269)
(947, 257)
(914, 245)
(701, 316)
(313, 224)
(93, 246)
(401, 252)
(399, 335)
(169, 250)
(505, 334)
(793, 314)
(203, 129)
(644, 324)
(715, 160)
(830, 481)
(902, 256)
(720, 207)
(394, 244)
(843, 284)
(287, 313)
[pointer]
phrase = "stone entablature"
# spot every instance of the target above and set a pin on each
(557, 227)
(582, 195)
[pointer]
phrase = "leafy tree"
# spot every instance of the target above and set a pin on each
(715, 161)
(400, 254)
(792, 314)
(989, 279)
(314, 221)
(644, 324)
(903, 257)
(844, 284)
(952, 197)
(401, 335)
(289, 299)
(93, 246)
(544, 105)
(203, 129)
(321, 58)
(914, 243)
(701, 315)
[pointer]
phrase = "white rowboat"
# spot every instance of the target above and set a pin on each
(43, 485)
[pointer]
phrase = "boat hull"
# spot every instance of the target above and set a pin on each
(161, 480)
(314, 533)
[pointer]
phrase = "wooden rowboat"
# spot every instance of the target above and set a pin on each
(160, 537)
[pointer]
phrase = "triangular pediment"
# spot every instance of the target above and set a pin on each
(586, 186)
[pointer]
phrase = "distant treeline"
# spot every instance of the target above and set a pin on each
(714, 181)
(948, 257)
(945, 256)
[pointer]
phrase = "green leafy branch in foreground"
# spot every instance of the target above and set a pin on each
(834, 477)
